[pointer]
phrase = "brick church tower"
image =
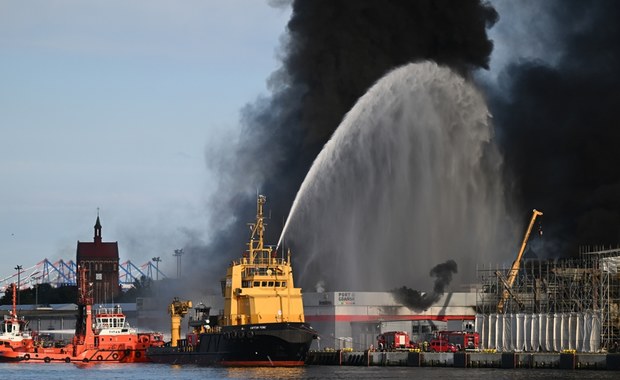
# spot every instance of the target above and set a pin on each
(101, 260)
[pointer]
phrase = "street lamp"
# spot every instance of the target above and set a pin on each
(35, 283)
(19, 273)
(157, 260)
(178, 253)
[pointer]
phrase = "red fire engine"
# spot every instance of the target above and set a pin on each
(461, 339)
(394, 341)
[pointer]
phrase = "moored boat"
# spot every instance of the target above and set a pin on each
(106, 338)
(14, 332)
(263, 322)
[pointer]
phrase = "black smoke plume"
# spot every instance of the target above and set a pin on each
(418, 301)
(334, 50)
(558, 124)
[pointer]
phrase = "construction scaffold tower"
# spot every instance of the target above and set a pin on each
(588, 284)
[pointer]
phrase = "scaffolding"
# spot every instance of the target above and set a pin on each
(589, 284)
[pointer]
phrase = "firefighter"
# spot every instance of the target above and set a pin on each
(381, 343)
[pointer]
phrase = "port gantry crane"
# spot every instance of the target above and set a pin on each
(514, 270)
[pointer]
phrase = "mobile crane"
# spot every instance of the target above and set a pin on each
(514, 270)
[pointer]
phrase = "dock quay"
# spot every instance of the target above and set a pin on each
(505, 360)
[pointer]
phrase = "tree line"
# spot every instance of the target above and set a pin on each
(46, 294)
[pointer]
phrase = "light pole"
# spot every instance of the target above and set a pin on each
(19, 274)
(35, 283)
(157, 260)
(178, 253)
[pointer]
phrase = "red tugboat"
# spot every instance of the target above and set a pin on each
(263, 320)
(108, 338)
(14, 332)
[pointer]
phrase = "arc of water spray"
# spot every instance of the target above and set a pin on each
(411, 177)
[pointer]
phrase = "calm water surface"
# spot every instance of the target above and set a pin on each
(161, 371)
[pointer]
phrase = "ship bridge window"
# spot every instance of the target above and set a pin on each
(284, 284)
(270, 284)
(256, 284)
(245, 284)
(277, 284)
(264, 283)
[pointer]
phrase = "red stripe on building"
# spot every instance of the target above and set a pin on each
(375, 318)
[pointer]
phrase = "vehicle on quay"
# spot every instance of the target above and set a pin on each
(395, 341)
(442, 345)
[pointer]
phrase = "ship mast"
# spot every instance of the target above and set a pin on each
(259, 288)
(257, 252)
(14, 312)
(83, 325)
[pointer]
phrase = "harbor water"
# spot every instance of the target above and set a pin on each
(160, 371)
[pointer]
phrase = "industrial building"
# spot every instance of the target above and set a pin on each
(553, 305)
(354, 319)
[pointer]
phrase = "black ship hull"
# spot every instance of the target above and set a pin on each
(272, 344)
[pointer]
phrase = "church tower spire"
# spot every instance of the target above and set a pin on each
(98, 229)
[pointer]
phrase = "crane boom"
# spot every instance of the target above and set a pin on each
(514, 270)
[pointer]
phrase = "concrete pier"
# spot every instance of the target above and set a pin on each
(506, 360)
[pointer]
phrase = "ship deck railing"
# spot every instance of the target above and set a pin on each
(261, 261)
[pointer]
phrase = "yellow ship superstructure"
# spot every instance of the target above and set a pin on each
(258, 288)
(263, 319)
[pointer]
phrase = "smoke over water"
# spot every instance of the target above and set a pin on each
(415, 300)
(410, 177)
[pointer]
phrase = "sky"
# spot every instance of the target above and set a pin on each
(166, 117)
(108, 106)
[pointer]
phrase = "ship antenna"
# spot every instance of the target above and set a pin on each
(258, 229)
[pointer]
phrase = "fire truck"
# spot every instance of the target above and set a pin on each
(395, 341)
(461, 339)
